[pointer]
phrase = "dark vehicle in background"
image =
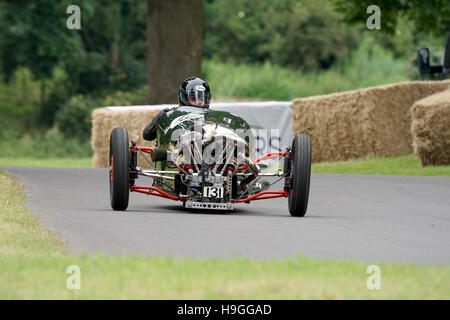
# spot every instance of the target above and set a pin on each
(438, 72)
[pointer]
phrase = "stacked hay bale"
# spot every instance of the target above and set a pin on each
(430, 129)
(366, 122)
(106, 119)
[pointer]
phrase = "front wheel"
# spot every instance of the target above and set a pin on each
(300, 166)
(119, 169)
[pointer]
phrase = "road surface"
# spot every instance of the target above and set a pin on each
(364, 217)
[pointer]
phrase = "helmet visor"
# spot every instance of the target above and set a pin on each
(197, 96)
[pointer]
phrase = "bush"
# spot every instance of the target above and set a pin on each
(121, 98)
(302, 34)
(74, 118)
(369, 65)
(21, 96)
(51, 144)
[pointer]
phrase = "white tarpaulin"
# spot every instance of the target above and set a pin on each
(270, 121)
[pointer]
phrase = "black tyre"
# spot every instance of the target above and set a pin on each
(119, 169)
(301, 174)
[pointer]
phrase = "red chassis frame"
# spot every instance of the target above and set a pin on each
(268, 194)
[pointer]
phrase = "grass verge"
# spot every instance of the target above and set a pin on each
(408, 165)
(33, 265)
(405, 165)
(51, 162)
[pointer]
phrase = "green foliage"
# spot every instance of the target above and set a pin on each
(122, 98)
(30, 100)
(106, 55)
(297, 33)
(20, 97)
(370, 65)
(428, 16)
(33, 35)
(57, 91)
(113, 38)
(74, 118)
(37, 145)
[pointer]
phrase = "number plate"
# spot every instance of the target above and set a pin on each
(212, 192)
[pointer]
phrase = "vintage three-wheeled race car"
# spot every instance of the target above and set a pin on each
(202, 158)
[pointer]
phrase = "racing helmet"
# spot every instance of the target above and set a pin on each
(194, 92)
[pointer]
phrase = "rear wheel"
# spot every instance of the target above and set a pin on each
(119, 169)
(300, 166)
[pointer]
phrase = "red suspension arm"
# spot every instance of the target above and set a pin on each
(154, 191)
(269, 155)
(143, 149)
(263, 195)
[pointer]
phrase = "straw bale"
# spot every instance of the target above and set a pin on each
(430, 129)
(104, 120)
(366, 122)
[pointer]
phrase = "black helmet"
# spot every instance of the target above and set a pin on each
(194, 92)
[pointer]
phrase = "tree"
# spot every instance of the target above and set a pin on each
(113, 37)
(301, 34)
(431, 16)
(175, 32)
(106, 55)
(33, 34)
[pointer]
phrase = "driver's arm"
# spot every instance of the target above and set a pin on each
(150, 130)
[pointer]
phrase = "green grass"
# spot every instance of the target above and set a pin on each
(33, 265)
(52, 162)
(406, 165)
(40, 144)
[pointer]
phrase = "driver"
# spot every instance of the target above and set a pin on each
(193, 92)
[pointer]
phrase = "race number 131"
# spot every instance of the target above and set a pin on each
(212, 192)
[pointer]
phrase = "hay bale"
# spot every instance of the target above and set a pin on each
(430, 129)
(104, 120)
(366, 122)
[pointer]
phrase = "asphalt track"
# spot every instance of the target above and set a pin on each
(362, 217)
